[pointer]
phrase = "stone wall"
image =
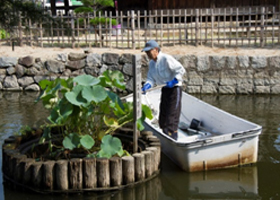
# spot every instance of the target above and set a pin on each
(205, 74)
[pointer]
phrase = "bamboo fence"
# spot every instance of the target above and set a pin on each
(219, 27)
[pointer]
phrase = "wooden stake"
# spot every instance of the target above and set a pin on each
(128, 169)
(48, 175)
(61, 175)
(116, 171)
(103, 172)
(89, 170)
(75, 174)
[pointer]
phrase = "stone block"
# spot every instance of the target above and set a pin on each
(274, 62)
(93, 60)
(11, 70)
(209, 89)
(218, 62)
(262, 90)
(203, 63)
(54, 66)
(275, 89)
(74, 65)
(6, 62)
(11, 82)
(226, 90)
(259, 62)
(189, 61)
(110, 58)
(76, 56)
(193, 89)
(244, 89)
(25, 81)
(231, 62)
(244, 61)
(27, 61)
(33, 87)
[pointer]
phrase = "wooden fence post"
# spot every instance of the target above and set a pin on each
(72, 30)
(41, 34)
(133, 29)
(20, 30)
(196, 26)
(262, 27)
(212, 27)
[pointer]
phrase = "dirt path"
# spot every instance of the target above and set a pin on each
(44, 53)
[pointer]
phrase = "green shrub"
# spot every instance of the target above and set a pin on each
(4, 34)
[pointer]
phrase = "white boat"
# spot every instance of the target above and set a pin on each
(221, 140)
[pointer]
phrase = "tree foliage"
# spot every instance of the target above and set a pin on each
(11, 11)
(98, 5)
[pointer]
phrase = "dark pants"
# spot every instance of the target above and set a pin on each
(170, 109)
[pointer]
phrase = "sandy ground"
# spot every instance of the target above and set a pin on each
(45, 53)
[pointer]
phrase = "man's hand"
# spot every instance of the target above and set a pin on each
(146, 87)
(170, 84)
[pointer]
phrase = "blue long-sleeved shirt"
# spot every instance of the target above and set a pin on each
(165, 69)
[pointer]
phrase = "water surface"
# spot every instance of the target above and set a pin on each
(259, 181)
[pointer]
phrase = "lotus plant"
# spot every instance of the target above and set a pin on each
(87, 112)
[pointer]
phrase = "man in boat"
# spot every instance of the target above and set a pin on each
(165, 70)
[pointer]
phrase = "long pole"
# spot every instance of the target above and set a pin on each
(137, 109)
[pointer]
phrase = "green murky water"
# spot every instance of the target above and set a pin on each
(260, 181)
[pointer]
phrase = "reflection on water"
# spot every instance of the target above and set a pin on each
(234, 183)
(259, 181)
(18, 109)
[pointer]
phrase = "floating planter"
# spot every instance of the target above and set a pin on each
(79, 174)
(86, 144)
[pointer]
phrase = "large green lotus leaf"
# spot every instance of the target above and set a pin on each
(140, 125)
(86, 80)
(111, 145)
(87, 141)
(75, 96)
(121, 152)
(147, 111)
(103, 154)
(71, 141)
(94, 93)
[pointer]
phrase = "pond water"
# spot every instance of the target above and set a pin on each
(259, 181)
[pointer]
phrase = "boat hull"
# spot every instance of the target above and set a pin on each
(209, 155)
(224, 141)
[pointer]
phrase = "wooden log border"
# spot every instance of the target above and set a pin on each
(81, 174)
